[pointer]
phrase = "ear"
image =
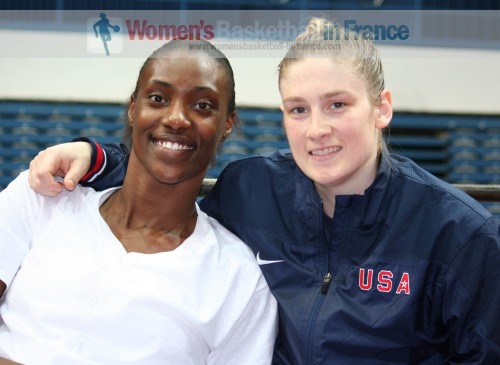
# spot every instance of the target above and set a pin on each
(282, 108)
(130, 111)
(384, 110)
(229, 125)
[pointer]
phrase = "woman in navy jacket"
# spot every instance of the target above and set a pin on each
(372, 259)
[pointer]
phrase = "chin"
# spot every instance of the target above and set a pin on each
(327, 180)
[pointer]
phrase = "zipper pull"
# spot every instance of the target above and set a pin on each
(326, 283)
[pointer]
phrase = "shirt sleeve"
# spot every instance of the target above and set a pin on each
(472, 299)
(18, 208)
(251, 340)
(108, 165)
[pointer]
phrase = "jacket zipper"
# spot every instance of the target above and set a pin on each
(326, 283)
(321, 295)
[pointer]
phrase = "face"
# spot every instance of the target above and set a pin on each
(332, 127)
(179, 116)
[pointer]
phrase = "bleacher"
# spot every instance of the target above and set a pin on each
(445, 145)
(458, 149)
(28, 127)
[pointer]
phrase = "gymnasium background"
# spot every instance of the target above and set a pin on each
(441, 60)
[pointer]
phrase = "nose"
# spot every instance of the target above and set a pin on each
(176, 117)
(318, 126)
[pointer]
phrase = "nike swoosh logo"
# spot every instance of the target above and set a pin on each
(266, 262)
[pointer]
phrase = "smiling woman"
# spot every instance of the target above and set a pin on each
(337, 105)
(184, 95)
(177, 117)
(114, 276)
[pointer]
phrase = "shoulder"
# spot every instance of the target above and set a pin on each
(227, 242)
(279, 161)
(248, 185)
(20, 191)
(236, 259)
(260, 172)
(443, 199)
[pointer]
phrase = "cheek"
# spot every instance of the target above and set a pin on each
(294, 131)
(139, 121)
(141, 125)
(359, 128)
(211, 133)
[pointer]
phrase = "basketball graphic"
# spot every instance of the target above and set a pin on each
(104, 34)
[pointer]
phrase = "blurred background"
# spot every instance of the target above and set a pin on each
(445, 83)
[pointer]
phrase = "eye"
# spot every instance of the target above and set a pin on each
(204, 105)
(157, 99)
(337, 105)
(298, 110)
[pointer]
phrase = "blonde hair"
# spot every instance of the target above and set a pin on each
(327, 39)
(324, 38)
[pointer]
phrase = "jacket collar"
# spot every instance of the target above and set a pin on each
(365, 210)
(375, 197)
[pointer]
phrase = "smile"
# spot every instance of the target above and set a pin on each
(325, 151)
(173, 146)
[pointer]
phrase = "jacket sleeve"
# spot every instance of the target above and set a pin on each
(229, 201)
(220, 202)
(108, 165)
(472, 299)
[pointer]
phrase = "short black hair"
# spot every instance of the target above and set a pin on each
(195, 46)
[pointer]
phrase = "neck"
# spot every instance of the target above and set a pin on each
(355, 185)
(151, 217)
(328, 203)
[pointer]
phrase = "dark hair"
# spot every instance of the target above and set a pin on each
(193, 46)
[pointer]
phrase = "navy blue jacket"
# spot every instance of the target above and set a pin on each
(407, 273)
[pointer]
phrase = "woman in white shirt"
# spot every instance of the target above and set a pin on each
(138, 274)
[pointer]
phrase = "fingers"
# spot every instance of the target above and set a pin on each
(69, 183)
(42, 178)
(68, 160)
(78, 168)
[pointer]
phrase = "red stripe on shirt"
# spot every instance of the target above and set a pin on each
(99, 161)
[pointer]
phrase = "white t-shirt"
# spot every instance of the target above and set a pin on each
(75, 296)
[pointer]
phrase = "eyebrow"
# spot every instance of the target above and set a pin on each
(329, 95)
(335, 93)
(169, 85)
(162, 83)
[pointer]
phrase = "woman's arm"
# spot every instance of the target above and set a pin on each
(472, 298)
(70, 160)
(82, 161)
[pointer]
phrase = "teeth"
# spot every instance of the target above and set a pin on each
(325, 151)
(174, 146)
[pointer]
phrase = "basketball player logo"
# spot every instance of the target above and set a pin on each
(101, 27)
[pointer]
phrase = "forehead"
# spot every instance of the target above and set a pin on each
(184, 69)
(329, 73)
(320, 66)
